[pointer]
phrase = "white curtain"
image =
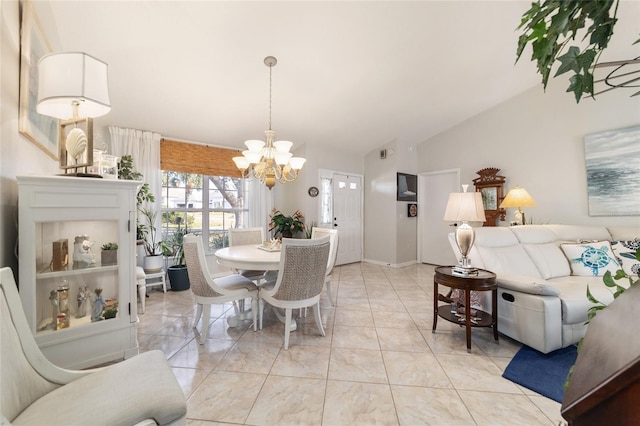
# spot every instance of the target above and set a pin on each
(260, 205)
(144, 148)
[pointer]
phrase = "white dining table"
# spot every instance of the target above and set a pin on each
(251, 257)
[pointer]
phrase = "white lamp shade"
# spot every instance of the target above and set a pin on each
(252, 157)
(282, 158)
(283, 146)
(464, 206)
(297, 162)
(241, 162)
(72, 76)
(254, 145)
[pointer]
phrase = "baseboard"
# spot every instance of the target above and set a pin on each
(390, 265)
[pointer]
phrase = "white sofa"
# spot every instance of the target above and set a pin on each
(542, 302)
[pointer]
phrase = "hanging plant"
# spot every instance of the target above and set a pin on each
(551, 26)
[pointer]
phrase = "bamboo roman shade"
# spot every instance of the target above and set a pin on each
(193, 158)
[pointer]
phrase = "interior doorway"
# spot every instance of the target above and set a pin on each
(434, 188)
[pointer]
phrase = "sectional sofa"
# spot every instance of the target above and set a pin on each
(543, 272)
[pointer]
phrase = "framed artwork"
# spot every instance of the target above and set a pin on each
(407, 187)
(412, 210)
(39, 129)
(613, 172)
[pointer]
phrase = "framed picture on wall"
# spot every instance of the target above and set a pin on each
(613, 172)
(412, 210)
(407, 186)
(39, 129)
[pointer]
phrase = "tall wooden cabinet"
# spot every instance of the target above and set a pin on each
(63, 223)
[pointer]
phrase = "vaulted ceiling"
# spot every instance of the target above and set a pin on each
(350, 74)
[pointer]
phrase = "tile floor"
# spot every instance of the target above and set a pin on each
(378, 364)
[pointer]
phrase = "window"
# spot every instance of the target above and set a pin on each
(207, 205)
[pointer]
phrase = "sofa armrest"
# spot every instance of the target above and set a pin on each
(527, 284)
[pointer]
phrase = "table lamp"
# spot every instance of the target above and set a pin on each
(464, 207)
(519, 198)
(73, 87)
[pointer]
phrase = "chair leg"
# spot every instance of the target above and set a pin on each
(287, 327)
(205, 324)
(198, 315)
(316, 312)
(260, 312)
(254, 313)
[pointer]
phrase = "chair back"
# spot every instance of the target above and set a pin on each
(333, 242)
(245, 236)
(199, 276)
(21, 383)
(303, 266)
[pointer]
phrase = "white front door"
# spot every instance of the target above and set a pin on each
(433, 243)
(347, 217)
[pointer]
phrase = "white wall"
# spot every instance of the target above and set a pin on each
(18, 155)
(536, 139)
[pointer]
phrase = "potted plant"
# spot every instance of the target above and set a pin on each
(109, 254)
(286, 226)
(178, 275)
(153, 248)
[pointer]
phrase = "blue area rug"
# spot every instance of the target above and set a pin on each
(545, 374)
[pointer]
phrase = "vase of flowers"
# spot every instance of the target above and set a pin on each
(286, 226)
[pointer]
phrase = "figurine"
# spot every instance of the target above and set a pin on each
(83, 299)
(82, 255)
(53, 297)
(98, 306)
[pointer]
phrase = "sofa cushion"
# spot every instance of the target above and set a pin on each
(527, 284)
(593, 259)
(534, 234)
(549, 260)
(578, 233)
(508, 260)
(625, 254)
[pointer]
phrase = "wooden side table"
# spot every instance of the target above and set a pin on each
(484, 281)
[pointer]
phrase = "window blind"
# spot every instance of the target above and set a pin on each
(194, 158)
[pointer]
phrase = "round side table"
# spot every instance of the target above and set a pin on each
(483, 281)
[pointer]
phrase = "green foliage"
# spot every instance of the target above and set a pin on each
(149, 235)
(110, 246)
(219, 240)
(282, 224)
(551, 25)
(127, 172)
(616, 289)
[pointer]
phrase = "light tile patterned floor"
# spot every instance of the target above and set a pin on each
(379, 362)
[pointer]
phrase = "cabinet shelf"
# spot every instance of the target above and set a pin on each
(75, 272)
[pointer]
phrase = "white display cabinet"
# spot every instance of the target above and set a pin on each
(76, 326)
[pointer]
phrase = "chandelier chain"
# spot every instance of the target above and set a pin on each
(270, 69)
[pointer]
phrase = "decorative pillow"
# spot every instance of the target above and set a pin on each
(625, 253)
(591, 259)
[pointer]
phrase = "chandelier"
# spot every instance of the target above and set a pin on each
(269, 162)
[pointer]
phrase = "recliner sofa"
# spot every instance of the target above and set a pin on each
(542, 290)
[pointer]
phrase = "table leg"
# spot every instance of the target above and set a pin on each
(494, 312)
(467, 311)
(435, 305)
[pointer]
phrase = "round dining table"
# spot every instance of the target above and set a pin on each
(251, 257)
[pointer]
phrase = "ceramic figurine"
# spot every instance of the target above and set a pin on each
(83, 299)
(82, 255)
(98, 306)
(53, 297)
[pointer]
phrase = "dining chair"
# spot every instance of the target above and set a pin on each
(303, 267)
(333, 253)
(209, 290)
(243, 237)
